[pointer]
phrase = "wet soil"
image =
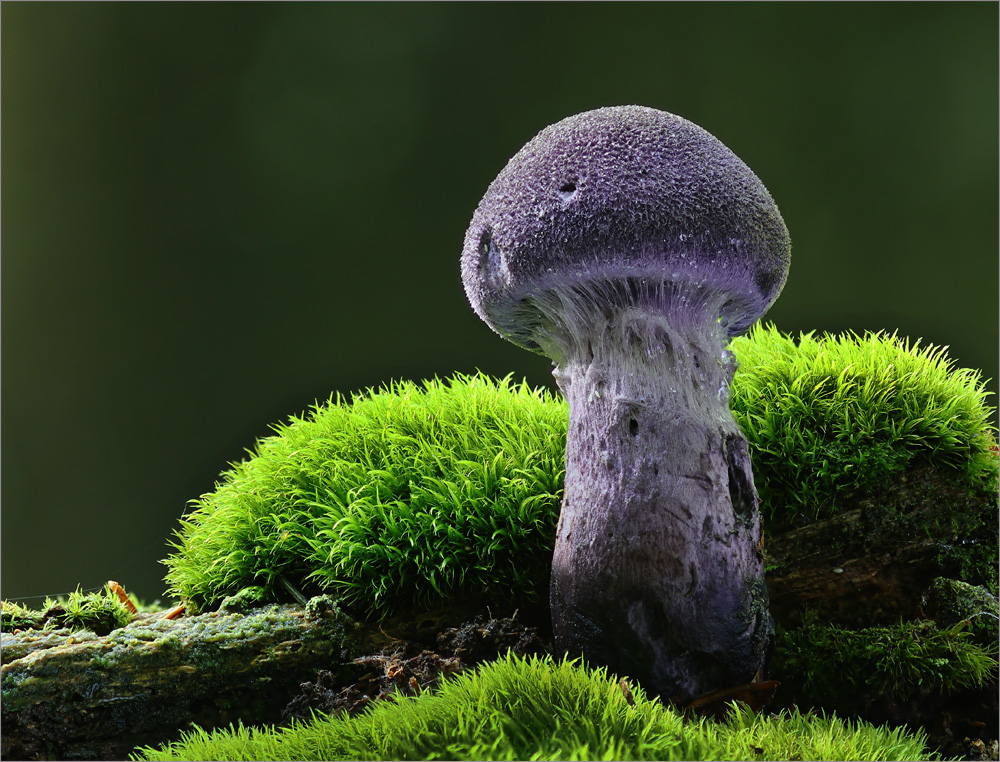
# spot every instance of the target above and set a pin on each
(407, 668)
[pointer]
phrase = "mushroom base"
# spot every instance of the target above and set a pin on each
(657, 571)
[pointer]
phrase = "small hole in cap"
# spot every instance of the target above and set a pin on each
(567, 191)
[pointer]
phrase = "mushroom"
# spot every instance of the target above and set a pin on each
(629, 245)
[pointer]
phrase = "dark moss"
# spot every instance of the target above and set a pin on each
(950, 602)
(829, 666)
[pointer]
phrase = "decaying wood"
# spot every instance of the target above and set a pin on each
(80, 696)
(870, 565)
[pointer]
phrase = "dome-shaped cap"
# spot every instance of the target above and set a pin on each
(619, 193)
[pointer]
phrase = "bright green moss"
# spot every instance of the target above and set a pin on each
(516, 708)
(418, 494)
(100, 612)
(831, 416)
(405, 496)
(17, 617)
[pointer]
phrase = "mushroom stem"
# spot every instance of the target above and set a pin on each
(657, 571)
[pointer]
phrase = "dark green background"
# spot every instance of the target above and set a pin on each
(215, 214)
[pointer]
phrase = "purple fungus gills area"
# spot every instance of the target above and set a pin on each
(628, 245)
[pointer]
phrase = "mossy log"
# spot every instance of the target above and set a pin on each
(871, 564)
(876, 588)
(79, 696)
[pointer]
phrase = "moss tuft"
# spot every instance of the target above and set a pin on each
(418, 494)
(407, 495)
(101, 612)
(828, 417)
(537, 708)
(14, 617)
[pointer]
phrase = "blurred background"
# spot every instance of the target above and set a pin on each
(216, 214)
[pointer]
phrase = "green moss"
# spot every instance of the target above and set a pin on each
(826, 665)
(950, 602)
(408, 495)
(414, 495)
(828, 417)
(14, 616)
(100, 612)
(517, 708)
(244, 600)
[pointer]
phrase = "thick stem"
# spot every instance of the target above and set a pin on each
(657, 571)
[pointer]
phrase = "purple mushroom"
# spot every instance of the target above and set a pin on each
(629, 245)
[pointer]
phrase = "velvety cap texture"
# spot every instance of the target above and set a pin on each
(624, 192)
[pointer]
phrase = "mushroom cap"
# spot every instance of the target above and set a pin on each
(619, 194)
